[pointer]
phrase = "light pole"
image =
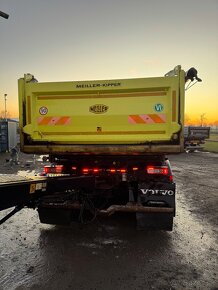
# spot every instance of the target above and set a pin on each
(4, 15)
(202, 119)
(5, 96)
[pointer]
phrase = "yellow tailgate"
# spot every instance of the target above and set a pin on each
(130, 111)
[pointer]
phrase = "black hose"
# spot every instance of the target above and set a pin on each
(13, 212)
(87, 204)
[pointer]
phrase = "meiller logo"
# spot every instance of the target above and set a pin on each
(98, 85)
(98, 109)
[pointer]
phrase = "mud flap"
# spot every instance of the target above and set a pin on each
(154, 221)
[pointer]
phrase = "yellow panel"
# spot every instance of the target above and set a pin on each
(129, 111)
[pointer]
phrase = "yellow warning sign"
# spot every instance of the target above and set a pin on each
(32, 188)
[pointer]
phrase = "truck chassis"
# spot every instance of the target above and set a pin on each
(85, 193)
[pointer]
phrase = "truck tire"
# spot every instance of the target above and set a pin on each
(154, 221)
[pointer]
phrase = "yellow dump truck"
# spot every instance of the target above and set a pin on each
(116, 132)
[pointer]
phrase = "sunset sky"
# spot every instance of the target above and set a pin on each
(71, 40)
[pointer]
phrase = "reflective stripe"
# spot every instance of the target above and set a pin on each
(104, 133)
(102, 95)
(156, 118)
(51, 121)
(136, 119)
(28, 110)
(174, 106)
(147, 119)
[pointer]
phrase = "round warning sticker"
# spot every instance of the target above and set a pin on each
(43, 110)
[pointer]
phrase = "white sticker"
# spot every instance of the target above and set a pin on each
(38, 186)
(43, 110)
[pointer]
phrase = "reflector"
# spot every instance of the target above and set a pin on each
(53, 169)
(157, 170)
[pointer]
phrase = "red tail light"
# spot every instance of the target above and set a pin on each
(163, 170)
(46, 169)
(112, 170)
(54, 169)
(59, 168)
(95, 170)
(85, 170)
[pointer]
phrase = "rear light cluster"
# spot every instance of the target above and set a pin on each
(97, 170)
(54, 169)
(163, 170)
(151, 170)
(160, 170)
(85, 170)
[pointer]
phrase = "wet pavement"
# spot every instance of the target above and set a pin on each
(111, 254)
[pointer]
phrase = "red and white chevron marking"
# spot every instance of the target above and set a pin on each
(147, 119)
(51, 121)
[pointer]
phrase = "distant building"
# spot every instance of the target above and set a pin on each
(9, 134)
